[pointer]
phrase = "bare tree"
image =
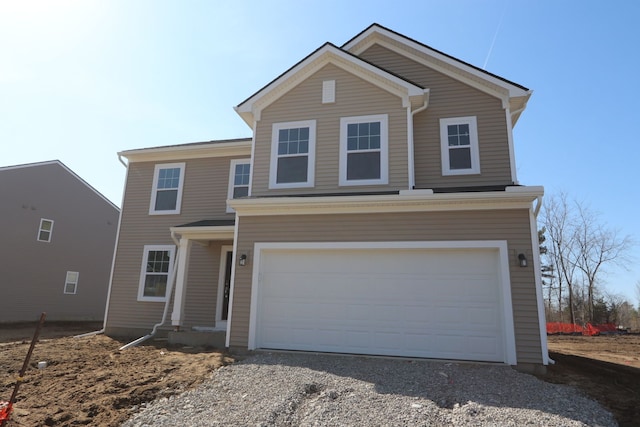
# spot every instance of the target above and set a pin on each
(580, 250)
(559, 224)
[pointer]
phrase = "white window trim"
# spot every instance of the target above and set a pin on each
(232, 176)
(311, 156)
(41, 230)
(384, 149)
(143, 270)
(154, 190)
(444, 145)
(75, 284)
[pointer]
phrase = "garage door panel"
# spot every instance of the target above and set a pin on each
(422, 303)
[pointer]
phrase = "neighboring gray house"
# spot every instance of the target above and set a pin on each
(58, 236)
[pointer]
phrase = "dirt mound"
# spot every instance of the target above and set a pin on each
(87, 381)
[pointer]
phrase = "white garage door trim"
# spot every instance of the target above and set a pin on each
(503, 272)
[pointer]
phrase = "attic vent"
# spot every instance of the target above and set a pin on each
(328, 91)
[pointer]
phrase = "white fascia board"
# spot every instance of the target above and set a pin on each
(205, 233)
(406, 201)
(441, 62)
(195, 151)
(250, 109)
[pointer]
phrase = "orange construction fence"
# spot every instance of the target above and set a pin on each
(573, 329)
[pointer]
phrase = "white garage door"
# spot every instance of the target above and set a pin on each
(434, 303)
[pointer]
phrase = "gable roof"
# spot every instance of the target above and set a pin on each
(513, 95)
(63, 166)
(411, 93)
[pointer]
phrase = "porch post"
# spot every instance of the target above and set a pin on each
(184, 251)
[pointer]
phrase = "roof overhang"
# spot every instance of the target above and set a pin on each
(235, 147)
(204, 233)
(513, 96)
(405, 201)
(412, 95)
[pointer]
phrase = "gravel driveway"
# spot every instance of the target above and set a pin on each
(291, 389)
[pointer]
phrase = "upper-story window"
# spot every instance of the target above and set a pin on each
(156, 268)
(45, 230)
(168, 180)
(239, 176)
(459, 145)
(293, 154)
(364, 148)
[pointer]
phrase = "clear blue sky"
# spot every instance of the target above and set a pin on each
(82, 80)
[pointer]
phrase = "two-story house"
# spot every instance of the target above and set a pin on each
(58, 236)
(375, 210)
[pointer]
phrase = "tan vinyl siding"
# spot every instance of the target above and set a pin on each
(450, 98)
(509, 225)
(204, 197)
(354, 97)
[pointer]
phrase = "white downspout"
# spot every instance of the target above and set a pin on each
(410, 142)
(170, 283)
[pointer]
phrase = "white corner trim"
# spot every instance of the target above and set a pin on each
(499, 245)
(227, 341)
(538, 284)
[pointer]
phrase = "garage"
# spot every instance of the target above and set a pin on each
(444, 300)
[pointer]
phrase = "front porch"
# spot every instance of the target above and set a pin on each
(203, 278)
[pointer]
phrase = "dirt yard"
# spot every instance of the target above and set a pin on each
(89, 382)
(607, 368)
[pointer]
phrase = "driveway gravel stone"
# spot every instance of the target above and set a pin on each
(305, 389)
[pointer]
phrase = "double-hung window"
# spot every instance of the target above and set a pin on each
(166, 197)
(71, 282)
(293, 154)
(364, 148)
(45, 230)
(239, 176)
(157, 265)
(459, 146)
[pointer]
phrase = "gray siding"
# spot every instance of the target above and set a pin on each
(509, 225)
(450, 98)
(33, 273)
(354, 97)
(204, 197)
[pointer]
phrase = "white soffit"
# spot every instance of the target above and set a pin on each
(406, 201)
(190, 151)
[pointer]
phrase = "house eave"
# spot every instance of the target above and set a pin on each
(190, 151)
(405, 201)
(204, 233)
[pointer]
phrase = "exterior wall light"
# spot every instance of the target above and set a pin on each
(522, 260)
(242, 260)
